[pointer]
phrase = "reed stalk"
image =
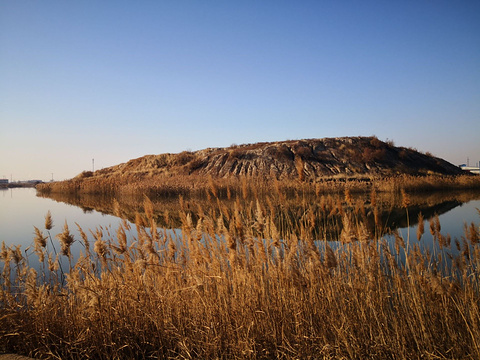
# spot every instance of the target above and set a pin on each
(250, 277)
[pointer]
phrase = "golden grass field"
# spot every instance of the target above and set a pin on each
(250, 277)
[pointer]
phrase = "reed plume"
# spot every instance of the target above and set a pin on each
(48, 221)
(251, 277)
(420, 227)
(40, 242)
(66, 240)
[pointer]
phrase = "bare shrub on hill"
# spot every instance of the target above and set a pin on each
(183, 158)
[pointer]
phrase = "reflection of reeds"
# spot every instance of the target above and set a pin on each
(382, 210)
(248, 279)
(421, 226)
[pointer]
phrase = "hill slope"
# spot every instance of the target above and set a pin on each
(289, 159)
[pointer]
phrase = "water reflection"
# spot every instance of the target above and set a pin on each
(22, 209)
(386, 213)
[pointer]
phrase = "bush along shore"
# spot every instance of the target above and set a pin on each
(245, 281)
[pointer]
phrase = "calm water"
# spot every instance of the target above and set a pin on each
(452, 222)
(21, 210)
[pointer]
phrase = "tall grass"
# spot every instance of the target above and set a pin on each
(165, 185)
(245, 279)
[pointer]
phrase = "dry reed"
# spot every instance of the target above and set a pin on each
(255, 279)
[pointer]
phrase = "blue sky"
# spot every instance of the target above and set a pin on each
(116, 80)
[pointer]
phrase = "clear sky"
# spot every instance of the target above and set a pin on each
(116, 80)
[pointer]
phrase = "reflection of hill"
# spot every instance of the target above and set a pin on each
(327, 210)
(397, 217)
(127, 206)
(429, 205)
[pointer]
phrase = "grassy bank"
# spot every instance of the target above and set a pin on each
(192, 185)
(217, 290)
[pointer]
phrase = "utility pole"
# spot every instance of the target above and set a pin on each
(93, 165)
(52, 176)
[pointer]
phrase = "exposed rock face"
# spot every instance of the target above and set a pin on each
(292, 159)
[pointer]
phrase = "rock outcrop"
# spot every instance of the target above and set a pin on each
(306, 159)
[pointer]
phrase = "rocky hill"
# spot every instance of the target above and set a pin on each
(304, 159)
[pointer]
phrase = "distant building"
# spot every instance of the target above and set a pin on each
(3, 181)
(472, 169)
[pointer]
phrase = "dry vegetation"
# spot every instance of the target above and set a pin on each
(273, 262)
(331, 163)
(249, 280)
(166, 186)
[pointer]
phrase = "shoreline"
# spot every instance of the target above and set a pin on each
(20, 185)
